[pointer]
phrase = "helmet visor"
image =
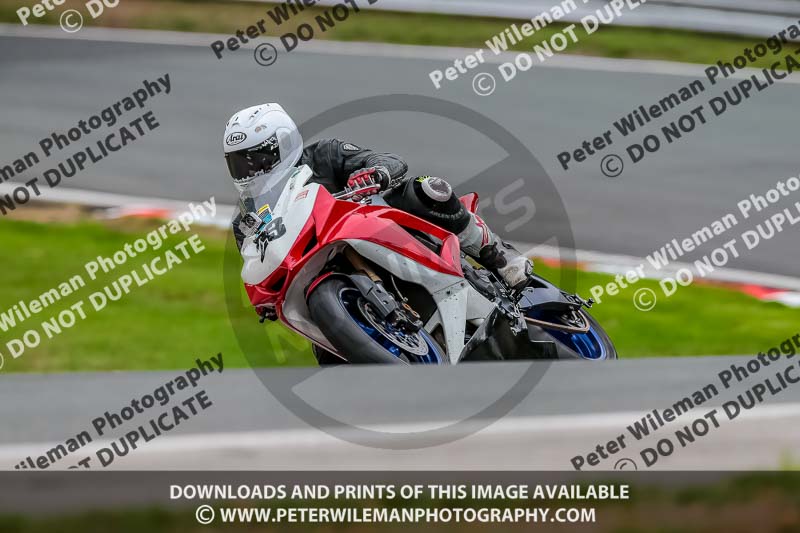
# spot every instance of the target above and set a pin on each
(250, 162)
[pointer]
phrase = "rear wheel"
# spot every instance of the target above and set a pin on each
(351, 325)
(593, 344)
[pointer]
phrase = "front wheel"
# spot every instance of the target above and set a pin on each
(355, 330)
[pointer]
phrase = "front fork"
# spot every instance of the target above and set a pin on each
(370, 285)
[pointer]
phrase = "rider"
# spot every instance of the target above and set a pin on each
(263, 142)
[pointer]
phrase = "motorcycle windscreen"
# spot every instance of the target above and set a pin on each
(262, 193)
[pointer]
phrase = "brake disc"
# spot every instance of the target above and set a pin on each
(413, 343)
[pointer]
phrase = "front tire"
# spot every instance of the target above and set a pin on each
(337, 309)
(326, 358)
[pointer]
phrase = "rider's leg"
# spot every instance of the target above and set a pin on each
(479, 242)
(433, 199)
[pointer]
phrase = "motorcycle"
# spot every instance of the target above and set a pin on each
(367, 283)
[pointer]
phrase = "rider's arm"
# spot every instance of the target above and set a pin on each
(333, 161)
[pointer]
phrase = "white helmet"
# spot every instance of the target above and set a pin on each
(261, 141)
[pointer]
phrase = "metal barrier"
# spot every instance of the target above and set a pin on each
(757, 18)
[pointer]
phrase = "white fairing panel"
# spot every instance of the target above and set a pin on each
(456, 300)
(294, 206)
(295, 308)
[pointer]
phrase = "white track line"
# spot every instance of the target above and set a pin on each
(261, 441)
(84, 197)
(612, 263)
(562, 61)
(606, 263)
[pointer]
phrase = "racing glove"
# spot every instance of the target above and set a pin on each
(376, 178)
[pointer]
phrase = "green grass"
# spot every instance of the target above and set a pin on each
(405, 28)
(182, 315)
(696, 320)
(165, 324)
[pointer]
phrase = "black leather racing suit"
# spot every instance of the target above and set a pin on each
(333, 161)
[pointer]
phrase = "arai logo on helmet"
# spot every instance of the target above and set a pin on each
(235, 138)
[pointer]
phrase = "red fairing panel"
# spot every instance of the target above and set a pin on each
(335, 220)
(339, 220)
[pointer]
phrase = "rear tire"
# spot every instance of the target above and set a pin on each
(349, 338)
(565, 352)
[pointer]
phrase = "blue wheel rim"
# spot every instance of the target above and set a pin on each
(588, 345)
(349, 299)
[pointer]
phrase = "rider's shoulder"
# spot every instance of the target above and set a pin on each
(340, 144)
(333, 147)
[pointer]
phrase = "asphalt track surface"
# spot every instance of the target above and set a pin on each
(50, 84)
(566, 410)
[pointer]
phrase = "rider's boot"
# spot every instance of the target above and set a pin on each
(480, 243)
